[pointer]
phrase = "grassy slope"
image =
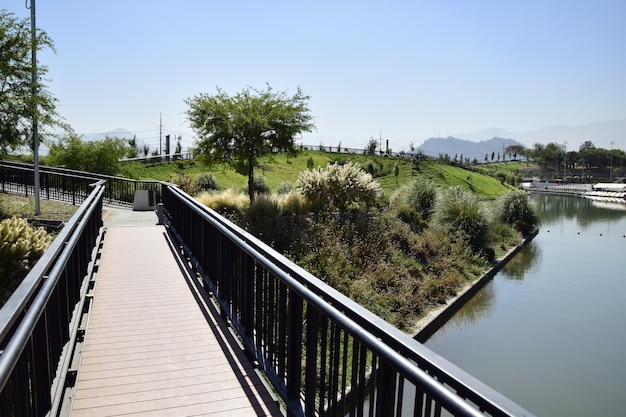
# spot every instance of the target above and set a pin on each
(24, 207)
(276, 169)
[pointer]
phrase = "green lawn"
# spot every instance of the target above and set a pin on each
(281, 168)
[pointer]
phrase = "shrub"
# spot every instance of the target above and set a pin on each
(284, 188)
(260, 186)
(225, 202)
(411, 217)
(20, 247)
(101, 156)
(185, 183)
(461, 211)
(339, 187)
(515, 209)
(421, 196)
(206, 181)
(292, 203)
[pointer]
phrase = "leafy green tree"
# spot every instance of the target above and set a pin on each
(18, 104)
(247, 125)
(372, 144)
(514, 150)
(100, 156)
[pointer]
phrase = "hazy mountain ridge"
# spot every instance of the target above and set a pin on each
(466, 148)
(600, 133)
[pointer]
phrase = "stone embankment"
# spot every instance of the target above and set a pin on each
(436, 318)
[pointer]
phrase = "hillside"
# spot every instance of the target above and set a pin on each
(281, 168)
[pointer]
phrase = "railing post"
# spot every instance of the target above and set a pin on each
(385, 393)
(310, 376)
(294, 353)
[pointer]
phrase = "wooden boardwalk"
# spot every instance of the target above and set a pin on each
(154, 346)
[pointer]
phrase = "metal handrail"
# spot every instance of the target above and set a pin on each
(70, 185)
(34, 322)
(236, 280)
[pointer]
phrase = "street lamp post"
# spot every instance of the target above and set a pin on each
(33, 33)
(564, 159)
(611, 173)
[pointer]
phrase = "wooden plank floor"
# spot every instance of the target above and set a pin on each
(153, 346)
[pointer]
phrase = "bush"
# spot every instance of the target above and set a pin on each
(515, 209)
(461, 212)
(284, 188)
(226, 202)
(411, 217)
(260, 186)
(339, 187)
(20, 248)
(206, 182)
(185, 183)
(419, 195)
(101, 156)
(292, 203)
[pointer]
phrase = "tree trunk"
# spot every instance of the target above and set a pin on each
(251, 179)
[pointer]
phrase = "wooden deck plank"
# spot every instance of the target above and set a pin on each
(151, 348)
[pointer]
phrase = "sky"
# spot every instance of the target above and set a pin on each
(402, 71)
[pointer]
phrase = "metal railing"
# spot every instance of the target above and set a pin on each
(324, 354)
(35, 320)
(69, 185)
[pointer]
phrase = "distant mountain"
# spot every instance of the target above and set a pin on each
(466, 148)
(600, 133)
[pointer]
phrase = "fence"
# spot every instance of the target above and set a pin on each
(324, 354)
(35, 320)
(69, 185)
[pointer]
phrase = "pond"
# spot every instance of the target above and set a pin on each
(549, 331)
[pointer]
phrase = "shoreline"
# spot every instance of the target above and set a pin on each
(436, 318)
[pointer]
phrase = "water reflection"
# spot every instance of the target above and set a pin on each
(584, 211)
(551, 326)
(478, 307)
(526, 260)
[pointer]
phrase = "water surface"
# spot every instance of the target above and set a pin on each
(549, 331)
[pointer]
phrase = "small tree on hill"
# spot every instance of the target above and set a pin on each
(243, 127)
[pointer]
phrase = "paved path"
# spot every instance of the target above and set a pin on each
(154, 346)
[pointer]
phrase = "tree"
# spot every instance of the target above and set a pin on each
(514, 150)
(100, 156)
(18, 104)
(372, 144)
(243, 127)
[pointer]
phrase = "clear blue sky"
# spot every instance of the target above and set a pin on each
(407, 69)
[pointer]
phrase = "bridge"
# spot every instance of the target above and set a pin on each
(184, 313)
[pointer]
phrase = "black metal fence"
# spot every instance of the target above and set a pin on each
(324, 354)
(69, 185)
(35, 321)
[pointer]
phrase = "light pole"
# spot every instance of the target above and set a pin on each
(33, 35)
(611, 173)
(564, 159)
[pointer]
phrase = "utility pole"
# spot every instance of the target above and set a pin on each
(611, 173)
(160, 134)
(564, 159)
(33, 36)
